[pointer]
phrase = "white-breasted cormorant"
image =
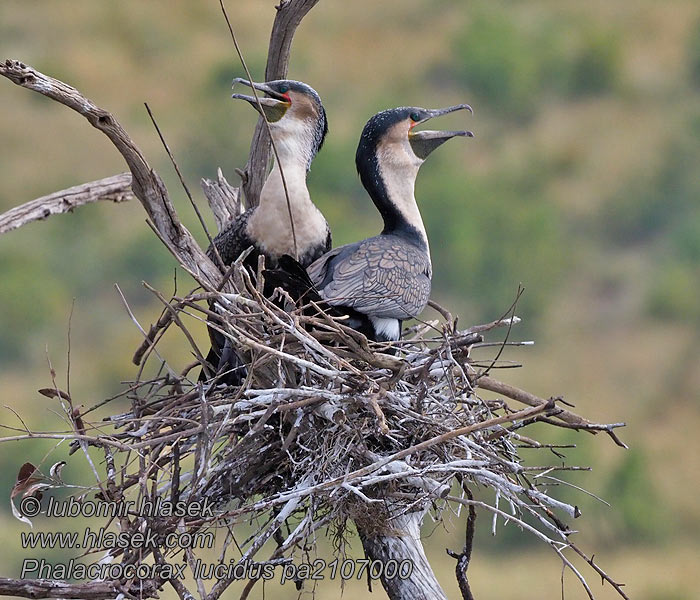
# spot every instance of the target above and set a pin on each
(383, 280)
(298, 126)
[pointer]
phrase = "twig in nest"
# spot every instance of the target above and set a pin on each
(511, 319)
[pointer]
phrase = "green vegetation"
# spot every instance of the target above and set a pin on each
(694, 55)
(637, 514)
(502, 213)
(660, 208)
(510, 63)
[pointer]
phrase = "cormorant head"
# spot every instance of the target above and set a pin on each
(390, 154)
(391, 134)
(294, 111)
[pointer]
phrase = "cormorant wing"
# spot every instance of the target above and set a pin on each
(233, 239)
(383, 276)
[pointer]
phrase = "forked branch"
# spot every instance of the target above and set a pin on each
(147, 185)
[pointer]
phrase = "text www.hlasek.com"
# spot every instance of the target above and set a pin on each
(108, 540)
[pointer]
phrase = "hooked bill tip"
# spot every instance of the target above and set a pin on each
(450, 109)
(461, 107)
(469, 134)
(240, 80)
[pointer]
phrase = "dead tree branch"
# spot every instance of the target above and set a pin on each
(113, 189)
(289, 15)
(573, 420)
(224, 199)
(147, 185)
(48, 588)
(464, 557)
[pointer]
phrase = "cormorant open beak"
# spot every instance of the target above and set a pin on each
(274, 104)
(424, 142)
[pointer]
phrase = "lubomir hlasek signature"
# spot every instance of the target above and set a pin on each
(146, 508)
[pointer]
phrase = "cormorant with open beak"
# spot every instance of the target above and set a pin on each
(383, 280)
(298, 126)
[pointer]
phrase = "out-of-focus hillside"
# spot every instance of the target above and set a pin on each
(581, 183)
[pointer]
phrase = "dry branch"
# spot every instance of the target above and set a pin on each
(572, 420)
(464, 557)
(514, 393)
(46, 588)
(113, 189)
(147, 185)
(224, 200)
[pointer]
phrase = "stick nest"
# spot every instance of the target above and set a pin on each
(326, 428)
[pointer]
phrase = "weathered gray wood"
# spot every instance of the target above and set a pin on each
(223, 198)
(147, 184)
(402, 543)
(289, 15)
(399, 540)
(49, 588)
(114, 189)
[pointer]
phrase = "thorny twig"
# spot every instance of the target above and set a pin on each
(464, 557)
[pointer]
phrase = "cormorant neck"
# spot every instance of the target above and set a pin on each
(391, 185)
(294, 168)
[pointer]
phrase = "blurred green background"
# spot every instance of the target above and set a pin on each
(582, 183)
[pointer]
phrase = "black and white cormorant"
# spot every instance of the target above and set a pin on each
(298, 126)
(383, 280)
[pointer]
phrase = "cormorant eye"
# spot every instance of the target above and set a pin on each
(283, 89)
(415, 117)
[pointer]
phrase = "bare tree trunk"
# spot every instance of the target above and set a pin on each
(404, 544)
